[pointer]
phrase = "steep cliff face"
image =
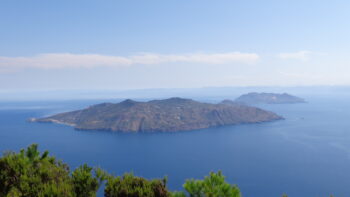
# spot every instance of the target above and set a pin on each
(268, 98)
(169, 115)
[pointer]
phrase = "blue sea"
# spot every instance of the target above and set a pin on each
(305, 155)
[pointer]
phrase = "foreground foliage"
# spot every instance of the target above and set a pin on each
(212, 185)
(132, 186)
(32, 174)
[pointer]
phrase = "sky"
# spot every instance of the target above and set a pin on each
(129, 44)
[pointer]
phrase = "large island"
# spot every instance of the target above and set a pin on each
(169, 115)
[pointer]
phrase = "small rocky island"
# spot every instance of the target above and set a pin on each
(268, 98)
(169, 115)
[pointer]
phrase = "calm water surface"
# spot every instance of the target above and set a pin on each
(305, 155)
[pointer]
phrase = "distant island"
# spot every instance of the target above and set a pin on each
(268, 98)
(169, 115)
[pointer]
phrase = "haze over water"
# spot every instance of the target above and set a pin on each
(307, 154)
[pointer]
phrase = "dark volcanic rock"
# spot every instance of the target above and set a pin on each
(174, 114)
(269, 98)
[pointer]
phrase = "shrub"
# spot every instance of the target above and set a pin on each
(213, 185)
(132, 186)
(30, 174)
(85, 182)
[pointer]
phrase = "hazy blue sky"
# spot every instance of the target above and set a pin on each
(103, 44)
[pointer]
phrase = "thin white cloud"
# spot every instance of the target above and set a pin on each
(300, 55)
(62, 60)
(68, 60)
